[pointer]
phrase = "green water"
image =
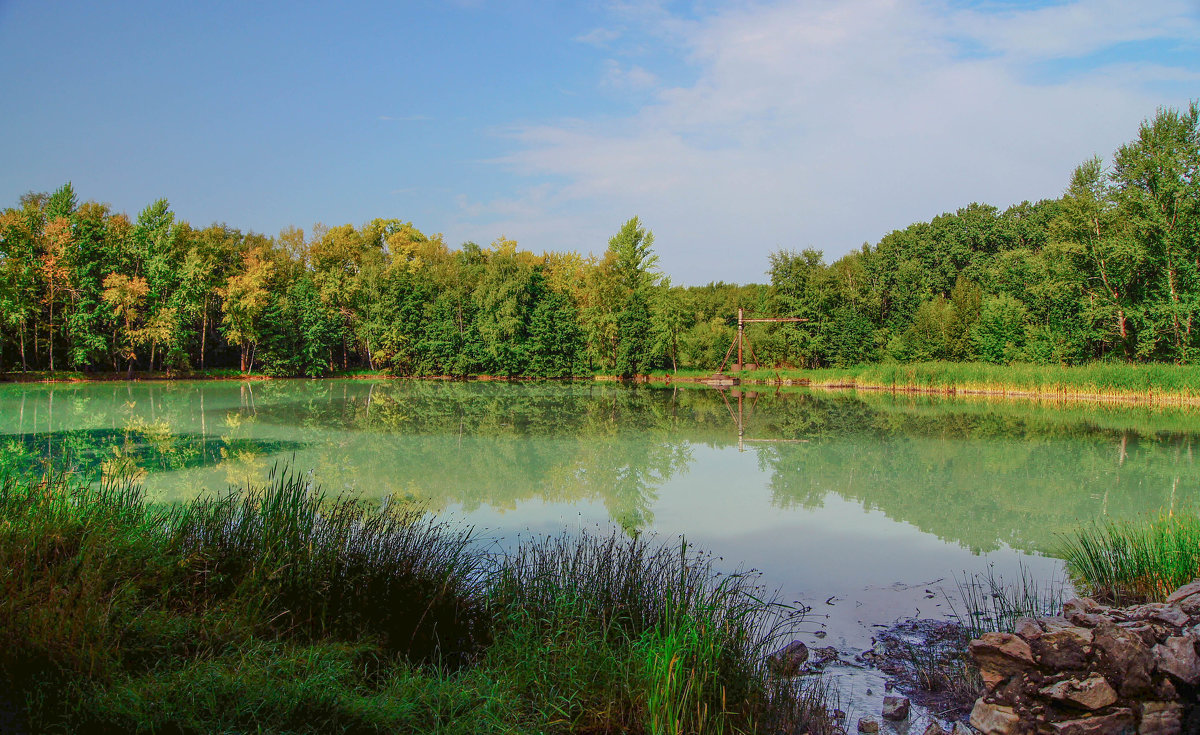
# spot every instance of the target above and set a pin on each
(827, 493)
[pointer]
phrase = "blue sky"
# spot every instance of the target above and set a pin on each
(732, 129)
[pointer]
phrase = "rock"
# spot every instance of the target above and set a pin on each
(1165, 690)
(934, 729)
(868, 724)
(1082, 604)
(1090, 694)
(1168, 614)
(895, 708)
(1028, 629)
(994, 719)
(1063, 648)
(1087, 620)
(1001, 653)
(1150, 633)
(1116, 723)
(788, 660)
(1184, 593)
(992, 679)
(1055, 622)
(1161, 718)
(1177, 657)
(1126, 660)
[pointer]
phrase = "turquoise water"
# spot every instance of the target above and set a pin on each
(856, 496)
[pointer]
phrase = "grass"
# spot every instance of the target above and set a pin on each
(281, 609)
(986, 602)
(1134, 562)
(1148, 381)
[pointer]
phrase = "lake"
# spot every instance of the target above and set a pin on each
(862, 506)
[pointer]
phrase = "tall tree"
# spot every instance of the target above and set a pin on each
(1158, 188)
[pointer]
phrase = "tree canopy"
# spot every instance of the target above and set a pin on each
(1109, 270)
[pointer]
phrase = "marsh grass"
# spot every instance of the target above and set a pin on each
(987, 602)
(278, 608)
(693, 639)
(312, 565)
(1132, 562)
(944, 668)
(1155, 382)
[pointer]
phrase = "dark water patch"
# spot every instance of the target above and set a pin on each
(87, 450)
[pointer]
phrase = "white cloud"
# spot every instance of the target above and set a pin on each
(829, 124)
(1078, 28)
(599, 37)
(632, 77)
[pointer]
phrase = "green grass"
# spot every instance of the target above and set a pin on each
(1155, 381)
(986, 602)
(1135, 562)
(280, 609)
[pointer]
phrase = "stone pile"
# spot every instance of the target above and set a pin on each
(1094, 670)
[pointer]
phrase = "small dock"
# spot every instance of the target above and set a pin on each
(721, 380)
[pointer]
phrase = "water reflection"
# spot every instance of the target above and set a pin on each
(978, 475)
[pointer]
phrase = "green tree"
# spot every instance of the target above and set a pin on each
(245, 298)
(999, 334)
(127, 295)
(1157, 179)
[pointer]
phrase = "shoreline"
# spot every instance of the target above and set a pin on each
(1150, 397)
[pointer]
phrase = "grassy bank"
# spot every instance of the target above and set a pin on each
(1151, 382)
(279, 609)
(1118, 381)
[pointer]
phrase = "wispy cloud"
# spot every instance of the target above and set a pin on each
(828, 124)
(1078, 28)
(631, 77)
(599, 37)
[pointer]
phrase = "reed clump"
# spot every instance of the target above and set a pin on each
(1156, 382)
(279, 608)
(691, 639)
(1134, 562)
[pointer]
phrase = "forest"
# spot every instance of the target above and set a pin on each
(1109, 271)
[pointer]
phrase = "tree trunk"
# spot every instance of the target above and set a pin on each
(203, 331)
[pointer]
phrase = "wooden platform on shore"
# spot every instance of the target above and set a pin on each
(720, 379)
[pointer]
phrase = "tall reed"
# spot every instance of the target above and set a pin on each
(310, 564)
(1133, 561)
(692, 638)
(278, 607)
(1104, 380)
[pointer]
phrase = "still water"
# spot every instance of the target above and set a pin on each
(859, 505)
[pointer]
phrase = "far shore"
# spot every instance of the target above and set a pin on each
(1157, 385)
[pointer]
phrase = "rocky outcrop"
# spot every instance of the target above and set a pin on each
(1094, 670)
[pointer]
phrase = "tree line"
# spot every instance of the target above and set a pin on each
(1109, 270)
